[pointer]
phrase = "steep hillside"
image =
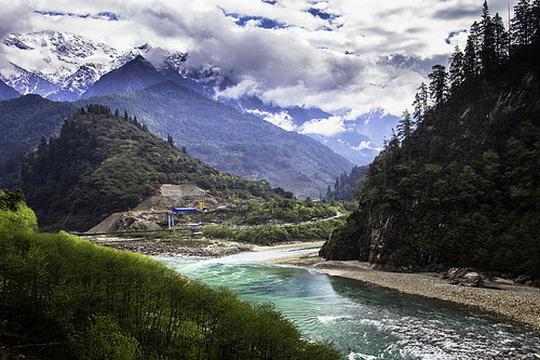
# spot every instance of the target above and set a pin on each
(103, 163)
(464, 188)
(230, 141)
(7, 92)
(23, 123)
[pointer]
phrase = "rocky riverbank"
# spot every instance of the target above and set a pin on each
(500, 297)
(193, 247)
(164, 247)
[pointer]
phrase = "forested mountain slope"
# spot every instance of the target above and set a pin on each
(230, 141)
(463, 188)
(103, 163)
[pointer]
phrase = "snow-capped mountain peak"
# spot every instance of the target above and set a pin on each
(70, 62)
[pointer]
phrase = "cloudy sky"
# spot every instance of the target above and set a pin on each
(335, 54)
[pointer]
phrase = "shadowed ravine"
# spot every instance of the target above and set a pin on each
(365, 322)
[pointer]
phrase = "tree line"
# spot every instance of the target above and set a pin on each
(489, 45)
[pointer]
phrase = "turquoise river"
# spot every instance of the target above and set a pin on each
(364, 321)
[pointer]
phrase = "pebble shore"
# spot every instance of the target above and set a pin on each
(502, 298)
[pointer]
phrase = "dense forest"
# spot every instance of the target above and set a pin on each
(459, 183)
(103, 162)
(71, 299)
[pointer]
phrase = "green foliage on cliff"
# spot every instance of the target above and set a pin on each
(103, 163)
(90, 302)
(463, 188)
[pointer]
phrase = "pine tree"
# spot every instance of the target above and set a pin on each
(487, 48)
(501, 39)
(471, 57)
(535, 19)
(457, 73)
(438, 85)
(420, 103)
(522, 23)
(405, 126)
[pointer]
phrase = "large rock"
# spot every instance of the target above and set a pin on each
(465, 277)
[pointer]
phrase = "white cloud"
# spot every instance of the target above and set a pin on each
(281, 119)
(326, 127)
(248, 87)
(304, 63)
(367, 145)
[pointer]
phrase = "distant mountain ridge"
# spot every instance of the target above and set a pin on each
(7, 92)
(73, 64)
(231, 141)
(228, 140)
(136, 74)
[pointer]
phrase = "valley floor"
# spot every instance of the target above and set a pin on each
(501, 297)
(157, 246)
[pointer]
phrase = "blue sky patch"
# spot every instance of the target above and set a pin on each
(104, 15)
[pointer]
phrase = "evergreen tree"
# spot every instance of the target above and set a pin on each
(471, 66)
(405, 126)
(535, 19)
(522, 29)
(438, 85)
(501, 39)
(457, 73)
(420, 103)
(488, 58)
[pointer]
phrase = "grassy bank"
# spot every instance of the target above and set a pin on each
(90, 302)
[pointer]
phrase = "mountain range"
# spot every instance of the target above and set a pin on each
(229, 140)
(63, 66)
